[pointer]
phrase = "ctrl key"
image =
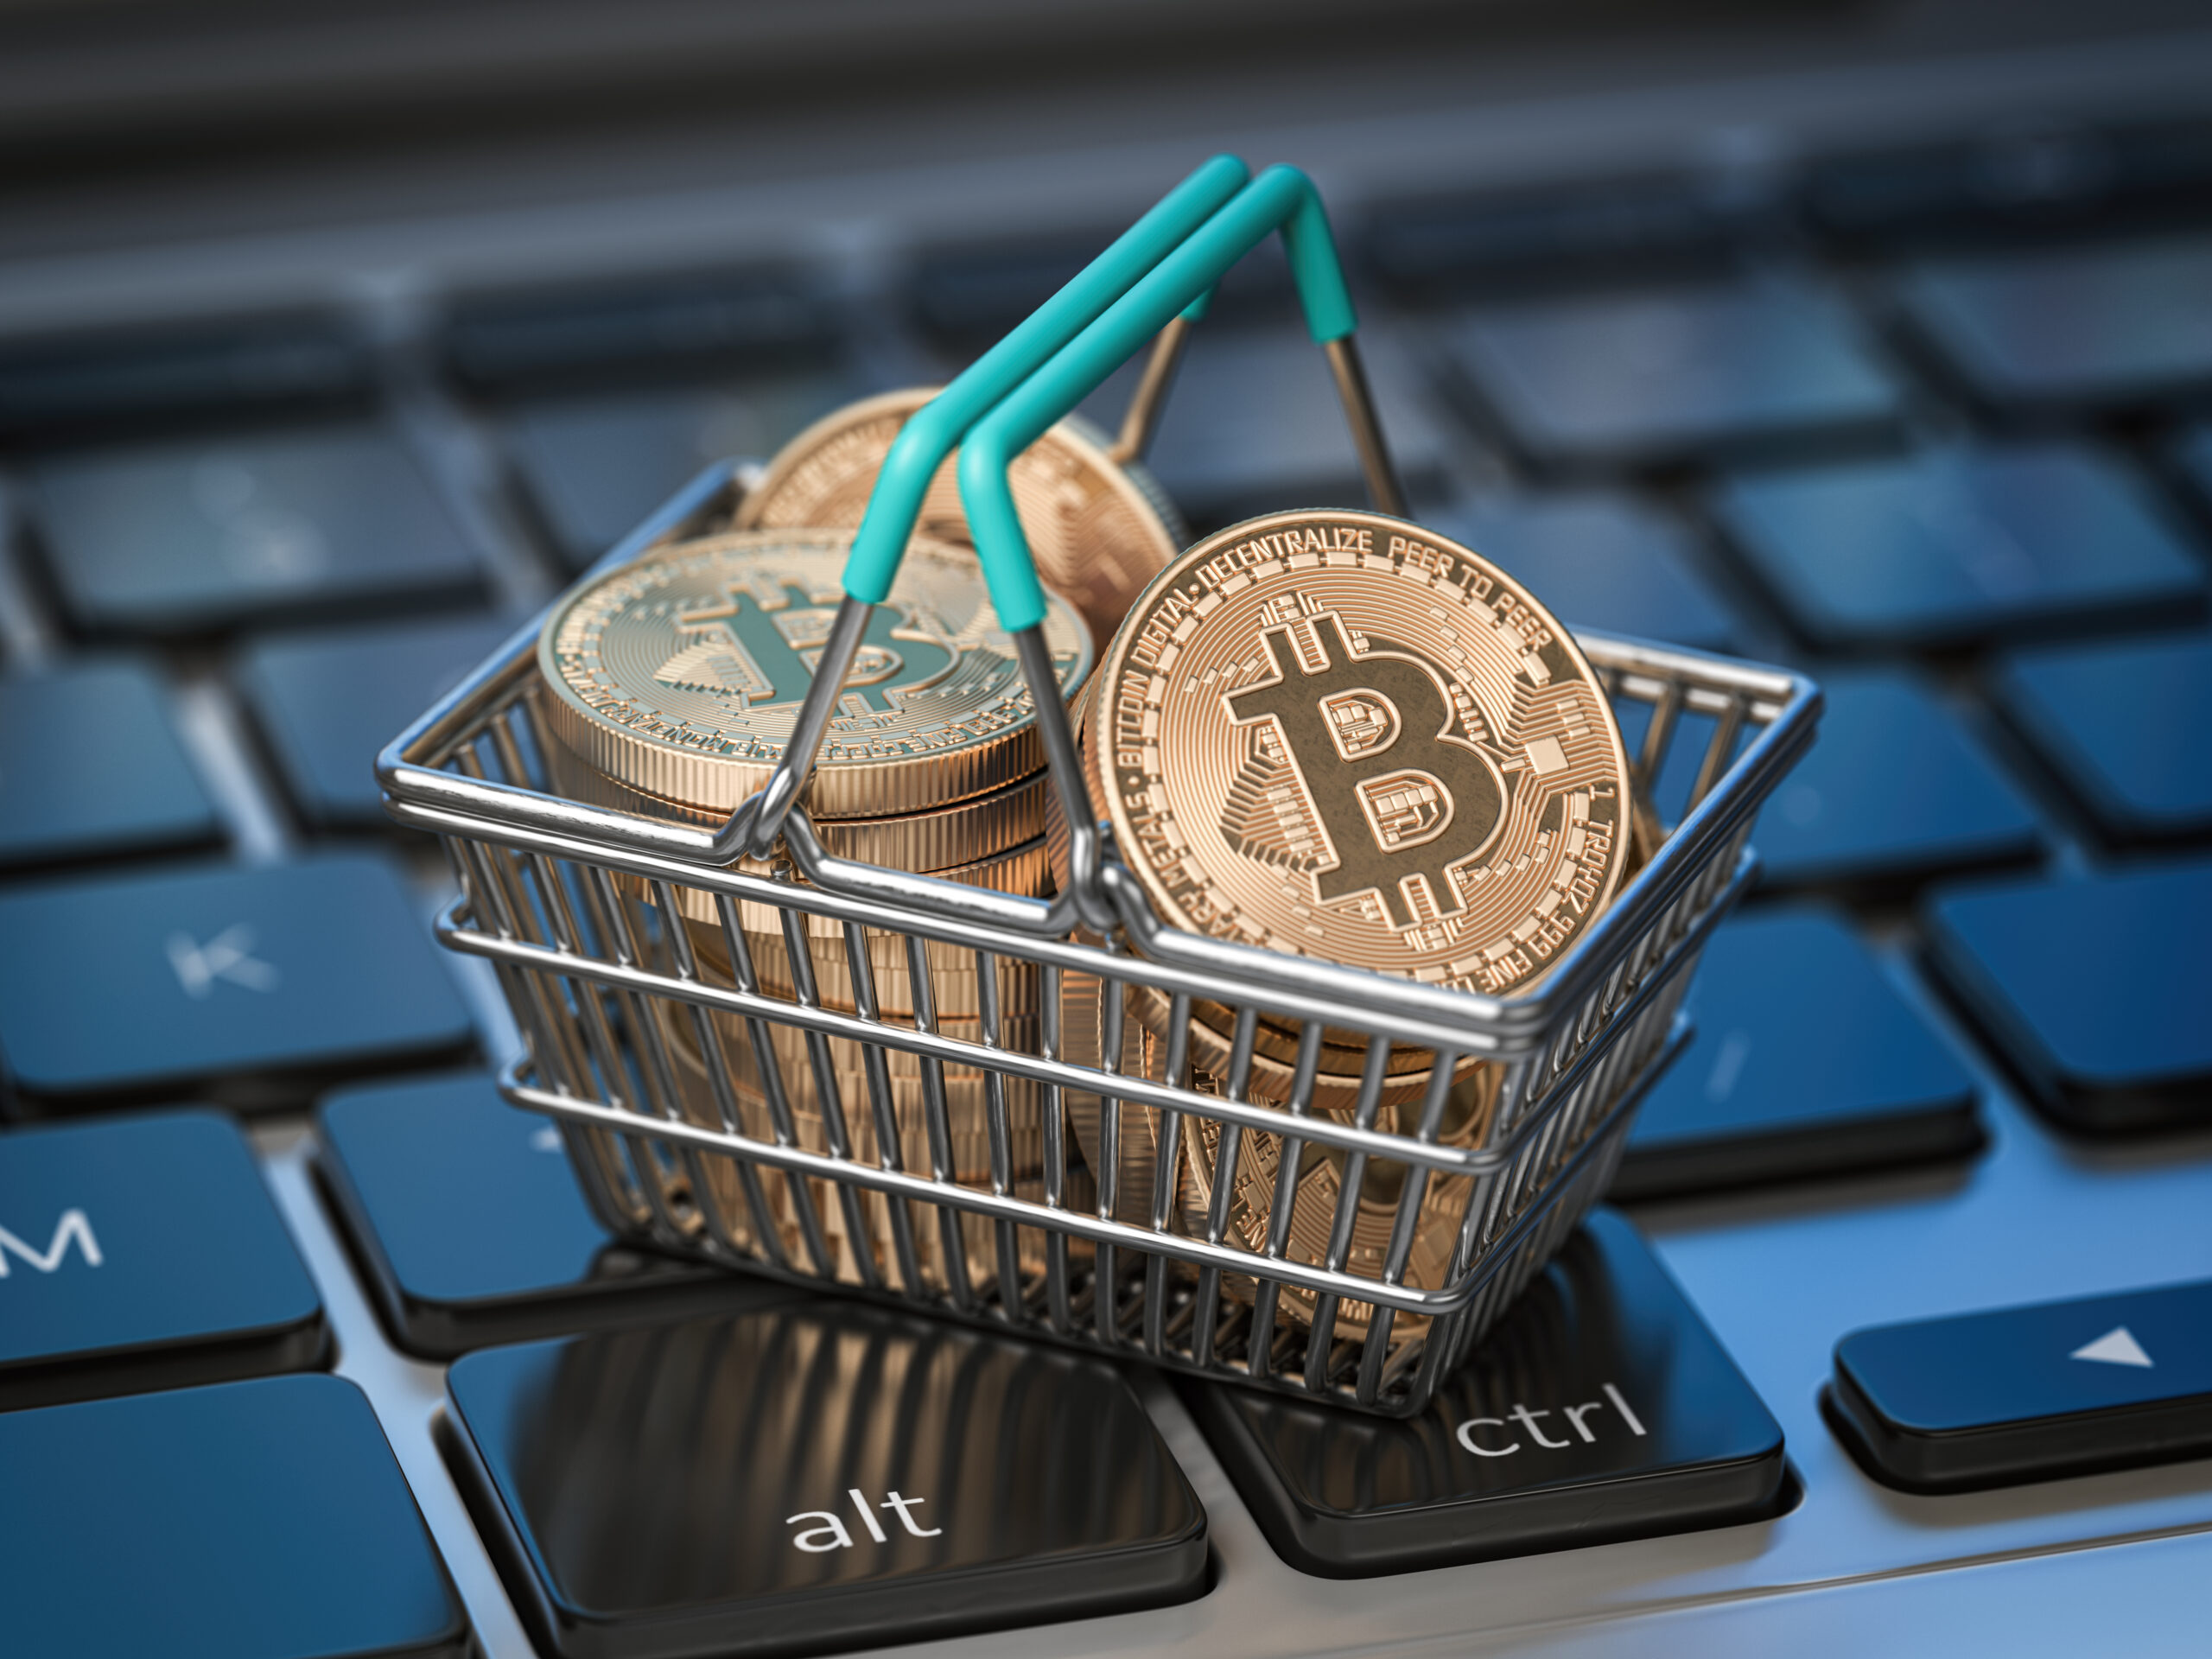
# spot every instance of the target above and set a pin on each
(2021, 1394)
(812, 1477)
(1600, 1409)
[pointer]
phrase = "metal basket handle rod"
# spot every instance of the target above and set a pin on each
(1281, 199)
(933, 432)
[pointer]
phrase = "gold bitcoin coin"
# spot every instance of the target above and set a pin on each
(1338, 735)
(964, 832)
(681, 675)
(1098, 530)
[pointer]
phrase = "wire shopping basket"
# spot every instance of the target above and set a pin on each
(638, 1027)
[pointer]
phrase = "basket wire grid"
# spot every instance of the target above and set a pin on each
(634, 1034)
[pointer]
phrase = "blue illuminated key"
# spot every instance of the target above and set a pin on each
(675, 324)
(264, 1520)
(64, 797)
(1660, 377)
(1601, 1408)
(815, 1477)
(597, 464)
(470, 1222)
(75, 383)
(1254, 421)
(2121, 323)
(2096, 989)
(1597, 560)
(327, 701)
(247, 987)
(1958, 547)
(185, 538)
(2127, 726)
(2029, 1393)
(1892, 792)
(143, 1252)
(1806, 1063)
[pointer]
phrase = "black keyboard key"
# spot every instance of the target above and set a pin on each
(328, 700)
(2192, 453)
(1599, 561)
(1806, 1063)
(469, 1221)
(90, 767)
(2128, 727)
(247, 987)
(2024, 1394)
(1663, 376)
(1253, 420)
(1600, 1409)
(967, 297)
(143, 1253)
(80, 383)
(814, 1477)
(1959, 548)
(186, 538)
(2096, 989)
(2125, 323)
(596, 466)
(1516, 239)
(678, 323)
(264, 1520)
(1893, 792)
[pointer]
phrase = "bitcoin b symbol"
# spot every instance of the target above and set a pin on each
(1368, 735)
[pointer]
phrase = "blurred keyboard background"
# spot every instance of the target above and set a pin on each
(1871, 339)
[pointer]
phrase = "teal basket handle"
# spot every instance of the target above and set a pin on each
(939, 426)
(935, 430)
(1281, 199)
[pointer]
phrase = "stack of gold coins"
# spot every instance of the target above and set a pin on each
(1334, 735)
(670, 687)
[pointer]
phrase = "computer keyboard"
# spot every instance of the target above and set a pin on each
(1953, 1057)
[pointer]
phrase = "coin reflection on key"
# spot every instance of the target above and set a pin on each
(816, 1475)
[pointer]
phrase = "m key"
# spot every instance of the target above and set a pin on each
(143, 1253)
(2029, 1393)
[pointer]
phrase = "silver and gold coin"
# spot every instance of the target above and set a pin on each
(680, 676)
(1099, 529)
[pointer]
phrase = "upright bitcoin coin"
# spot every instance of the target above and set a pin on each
(1099, 530)
(1333, 734)
(681, 675)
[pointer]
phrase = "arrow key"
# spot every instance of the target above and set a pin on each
(2029, 1393)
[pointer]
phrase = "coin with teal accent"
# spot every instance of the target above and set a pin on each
(681, 675)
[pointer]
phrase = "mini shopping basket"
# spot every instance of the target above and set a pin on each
(572, 905)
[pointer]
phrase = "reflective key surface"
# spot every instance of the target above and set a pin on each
(2116, 324)
(90, 766)
(1894, 791)
(1655, 378)
(2095, 988)
(2128, 727)
(815, 1476)
(1954, 547)
(190, 538)
(2028, 1393)
(1601, 1408)
(160, 985)
(261, 1520)
(1807, 1062)
(147, 1254)
(328, 700)
(466, 1216)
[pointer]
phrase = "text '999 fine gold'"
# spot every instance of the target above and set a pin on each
(681, 675)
